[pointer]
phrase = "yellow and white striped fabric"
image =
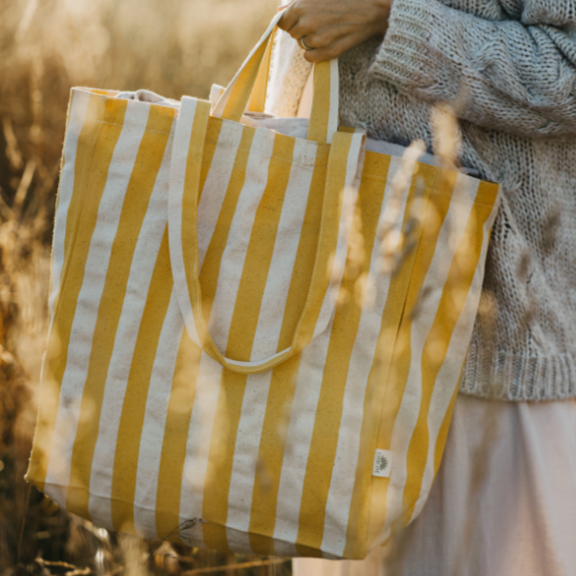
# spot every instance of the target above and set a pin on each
(203, 380)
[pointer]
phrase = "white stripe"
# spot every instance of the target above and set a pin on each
(86, 313)
(450, 234)
(178, 165)
(196, 467)
(275, 295)
(152, 437)
(234, 255)
(334, 100)
(450, 371)
(141, 270)
(216, 185)
(350, 198)
(78, 110)
(299, 437)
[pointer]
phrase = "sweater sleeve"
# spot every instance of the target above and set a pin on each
(517, 76)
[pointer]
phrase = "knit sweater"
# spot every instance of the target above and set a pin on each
(510, 68)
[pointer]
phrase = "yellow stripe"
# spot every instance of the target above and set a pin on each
(258, 98)
(96, 145)
(320, 114)
(324, 442)
(283, 380)
(328, 241)
(135, 205)
(242, 89)
(240, 340)
(134, 404)
(454, 294)
(210, 145)
(211, 267)
(173, 458)
(491, 191)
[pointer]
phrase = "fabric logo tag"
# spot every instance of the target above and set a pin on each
(382, 463)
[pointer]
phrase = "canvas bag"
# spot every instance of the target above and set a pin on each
(227, 363)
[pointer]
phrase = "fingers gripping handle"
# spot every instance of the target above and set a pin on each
(249, 85)
(187, 152)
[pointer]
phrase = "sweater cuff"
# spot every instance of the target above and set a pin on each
(415, 53)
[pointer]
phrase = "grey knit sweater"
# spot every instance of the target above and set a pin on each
(511, 67)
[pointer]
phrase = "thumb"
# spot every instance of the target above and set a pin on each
(285, 5)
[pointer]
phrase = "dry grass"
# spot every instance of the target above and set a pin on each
(174, 48)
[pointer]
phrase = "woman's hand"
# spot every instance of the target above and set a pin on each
(327, 28)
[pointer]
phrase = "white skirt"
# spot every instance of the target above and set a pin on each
(503, 503)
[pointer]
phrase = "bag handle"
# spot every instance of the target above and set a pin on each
(342, 172)
(249, 85)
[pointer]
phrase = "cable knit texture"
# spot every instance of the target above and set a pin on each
(509, 68)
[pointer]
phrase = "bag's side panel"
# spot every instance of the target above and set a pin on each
(368, 496)
(446, 346)
(95, 147)
(120, 247)
(407, 381)
(422, 342)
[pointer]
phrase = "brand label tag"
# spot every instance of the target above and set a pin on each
(382, 463)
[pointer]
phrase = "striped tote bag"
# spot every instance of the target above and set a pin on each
(231, 363)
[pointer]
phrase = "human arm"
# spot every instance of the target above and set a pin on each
(513, 75)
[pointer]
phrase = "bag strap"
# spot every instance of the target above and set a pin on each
(188, 145)
(249, 85)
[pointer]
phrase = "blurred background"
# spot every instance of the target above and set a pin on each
(172, 47)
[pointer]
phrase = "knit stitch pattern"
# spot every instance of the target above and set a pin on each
(509, 68)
